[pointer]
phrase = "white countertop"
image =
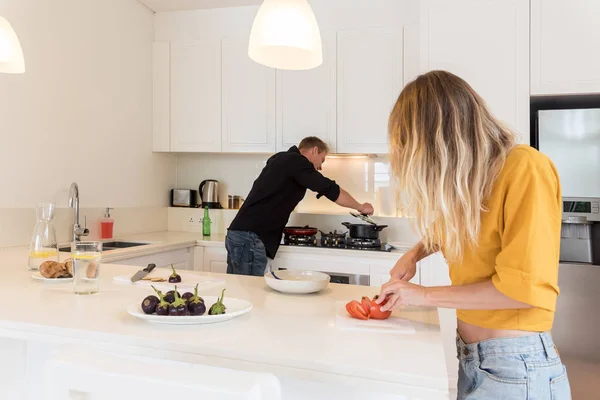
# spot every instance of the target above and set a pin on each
(169, 240)
(282, 331)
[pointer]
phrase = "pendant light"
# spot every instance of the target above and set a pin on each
(11, 54)
(285, 35)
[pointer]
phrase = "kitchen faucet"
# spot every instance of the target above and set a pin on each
(78, 231)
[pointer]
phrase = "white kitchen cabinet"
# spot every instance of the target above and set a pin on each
(306, 101)
(327, 263)
(487, 44)
(370, 77)
(380, 273)
(161, 96)
(198, 258)
(435, 272)
(248, 90)
(181, 259)
(215, 260)
(196, 96)
(565, 38)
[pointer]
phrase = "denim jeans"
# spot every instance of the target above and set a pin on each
(246, 254)
(519, 368)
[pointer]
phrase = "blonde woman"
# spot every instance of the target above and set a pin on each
(493, 208)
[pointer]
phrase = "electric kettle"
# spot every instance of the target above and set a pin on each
(209, 193)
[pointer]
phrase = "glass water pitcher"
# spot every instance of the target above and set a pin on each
(44, 246)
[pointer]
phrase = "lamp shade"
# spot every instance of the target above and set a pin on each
(285, 35)
(11, 55)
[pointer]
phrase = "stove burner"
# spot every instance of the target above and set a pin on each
(333, 239)
(363, 244)
(300, 240)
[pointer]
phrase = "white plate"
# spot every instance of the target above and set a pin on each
(298, 282)
(39, 277)
(187, 284)
(235, 308)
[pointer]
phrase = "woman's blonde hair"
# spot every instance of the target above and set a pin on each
(446, 150)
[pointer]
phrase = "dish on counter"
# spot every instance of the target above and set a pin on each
(38, 276)
(297, 282)
(188, 309)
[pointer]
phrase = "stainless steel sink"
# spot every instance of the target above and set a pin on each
(108, 246)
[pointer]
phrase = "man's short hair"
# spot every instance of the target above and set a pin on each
(313, 141)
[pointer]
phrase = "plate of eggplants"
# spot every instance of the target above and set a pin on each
(188, 308)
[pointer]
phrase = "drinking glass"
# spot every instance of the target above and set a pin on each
(86, 266)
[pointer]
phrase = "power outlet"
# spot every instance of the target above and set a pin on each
(191, 221)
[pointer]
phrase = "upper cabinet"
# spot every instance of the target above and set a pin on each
(565, 38)
(370, 75)
(306, 101)
(196, 96)
(487, 44)
(248, 101)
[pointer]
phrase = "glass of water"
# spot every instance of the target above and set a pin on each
(86, 266)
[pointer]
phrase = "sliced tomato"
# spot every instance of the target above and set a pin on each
(355, 309)
(375, 309)
(365, 302)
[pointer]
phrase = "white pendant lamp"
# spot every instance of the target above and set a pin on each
(11, 54)
(285, 35)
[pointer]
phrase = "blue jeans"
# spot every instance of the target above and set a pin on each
(526, 367)
(246, 254)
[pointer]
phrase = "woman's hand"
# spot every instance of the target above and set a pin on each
(401, 292)
(406, 268)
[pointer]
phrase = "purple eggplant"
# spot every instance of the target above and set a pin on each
(196, 304)
(170, 296)
(149, 304)
(174, 277)
(162, 307)
(178, 307)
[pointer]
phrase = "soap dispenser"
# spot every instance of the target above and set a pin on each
(106, 225)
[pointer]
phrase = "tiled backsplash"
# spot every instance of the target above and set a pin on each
(365, 178)
(190, 220)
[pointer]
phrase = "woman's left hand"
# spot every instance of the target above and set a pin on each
(401, 292)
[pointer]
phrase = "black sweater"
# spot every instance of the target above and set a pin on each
(276, 192)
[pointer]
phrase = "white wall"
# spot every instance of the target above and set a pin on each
(83, 110)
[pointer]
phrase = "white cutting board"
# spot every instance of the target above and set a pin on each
(187, 284)
(393, 324)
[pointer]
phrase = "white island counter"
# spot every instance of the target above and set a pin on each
(293, 337)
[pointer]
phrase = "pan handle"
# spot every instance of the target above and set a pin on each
(346, 224)
(379, 228)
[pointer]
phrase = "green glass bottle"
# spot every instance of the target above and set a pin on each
(206, 223)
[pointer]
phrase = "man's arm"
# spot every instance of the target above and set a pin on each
(306, 175)
(346, 200)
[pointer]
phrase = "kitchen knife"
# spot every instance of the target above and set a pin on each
(140, 274)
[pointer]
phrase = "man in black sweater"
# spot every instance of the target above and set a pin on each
(255, 233)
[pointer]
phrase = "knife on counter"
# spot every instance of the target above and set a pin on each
(141, 274)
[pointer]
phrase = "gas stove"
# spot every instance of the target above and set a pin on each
(335, 240)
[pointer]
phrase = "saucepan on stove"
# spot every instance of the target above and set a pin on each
(364, 231)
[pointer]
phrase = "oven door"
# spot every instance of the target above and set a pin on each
(347, 279)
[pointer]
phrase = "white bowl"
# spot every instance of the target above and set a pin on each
(291, 281)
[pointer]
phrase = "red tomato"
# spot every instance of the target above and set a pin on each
(375, 309)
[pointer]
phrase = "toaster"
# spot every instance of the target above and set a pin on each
(184, 198)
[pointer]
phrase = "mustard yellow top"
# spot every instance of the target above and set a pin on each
(519, 244)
